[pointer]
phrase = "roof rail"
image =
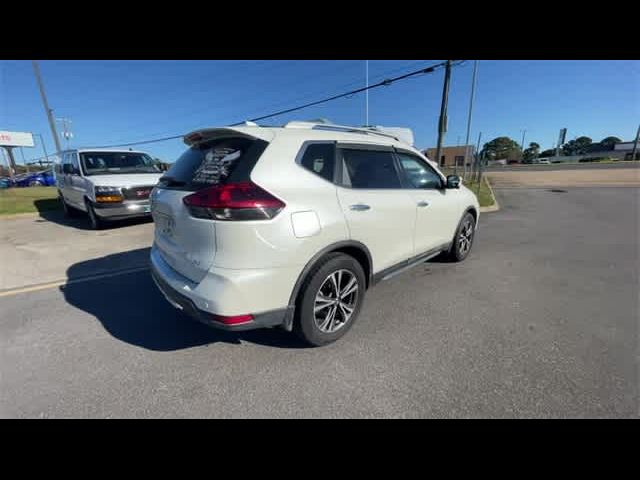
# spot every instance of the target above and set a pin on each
(399, 134)
(340, 128)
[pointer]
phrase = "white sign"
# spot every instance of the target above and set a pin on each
(16, 139)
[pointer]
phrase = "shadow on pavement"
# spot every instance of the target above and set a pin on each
(79, 220)
(132, 309)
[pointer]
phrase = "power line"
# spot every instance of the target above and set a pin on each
(234, 100)
(383, 83)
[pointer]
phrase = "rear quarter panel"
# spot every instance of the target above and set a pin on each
(273, 243)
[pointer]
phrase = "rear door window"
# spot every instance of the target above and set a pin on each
(214, 163)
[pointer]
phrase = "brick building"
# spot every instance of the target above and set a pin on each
(450, 156)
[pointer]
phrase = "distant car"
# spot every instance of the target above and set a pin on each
(5, 182)
(44, 178)
(544, 161)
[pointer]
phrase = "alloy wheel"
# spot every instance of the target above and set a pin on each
(336, 301)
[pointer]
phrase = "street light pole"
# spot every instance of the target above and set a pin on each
(635, 145)
(48, 111)
(477, 161)
(473, 93)
(442, 124)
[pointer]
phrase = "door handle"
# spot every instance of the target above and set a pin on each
(359, 207)
(423, 203)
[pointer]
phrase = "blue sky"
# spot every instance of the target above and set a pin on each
(123, 101)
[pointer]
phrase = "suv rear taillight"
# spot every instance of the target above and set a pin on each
(233, 201)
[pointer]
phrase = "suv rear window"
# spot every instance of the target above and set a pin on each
(319, 158)
(214, 163)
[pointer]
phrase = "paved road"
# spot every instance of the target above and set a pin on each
(38, 249)
(540, 321)
(618, 177)
(560, 166)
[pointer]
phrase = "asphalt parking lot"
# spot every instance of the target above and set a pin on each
(540, 321)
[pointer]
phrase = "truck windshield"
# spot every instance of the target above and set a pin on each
(96, 163)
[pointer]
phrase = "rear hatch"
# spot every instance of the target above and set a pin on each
(216, 156)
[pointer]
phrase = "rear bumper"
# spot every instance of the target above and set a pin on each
(163, 276)
(126, 209)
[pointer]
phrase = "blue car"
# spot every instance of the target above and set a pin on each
(43, 178)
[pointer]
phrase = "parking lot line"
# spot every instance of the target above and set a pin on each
(88, 278)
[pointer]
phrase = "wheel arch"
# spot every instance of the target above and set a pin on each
(355, 249)
(472, 210)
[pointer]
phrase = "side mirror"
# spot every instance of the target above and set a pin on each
(453, 181)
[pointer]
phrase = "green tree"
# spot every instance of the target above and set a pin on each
(532, 152)
(610, 141)
(501, 148)
(548, 153)
(578, 146)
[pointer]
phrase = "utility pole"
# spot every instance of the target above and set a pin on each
(66, 131)
(48, 111)
(473, 93)
(442, 124)
(477, 159)
(635, 145)
(479, 164)
(523, 133)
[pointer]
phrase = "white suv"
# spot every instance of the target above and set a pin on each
(289, 226)
(106, 184)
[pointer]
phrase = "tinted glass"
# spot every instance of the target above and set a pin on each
(320, 159)
(369, 169)
(213, 163)
(418, 174)
(95, 163)
(73, 159)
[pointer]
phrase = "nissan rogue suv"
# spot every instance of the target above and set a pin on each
(289, 226)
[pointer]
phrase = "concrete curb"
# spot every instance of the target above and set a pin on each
(496, 206)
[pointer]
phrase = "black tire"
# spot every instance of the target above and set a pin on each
(463, 240)
(94, 221)
(305, 324)
(69, 212)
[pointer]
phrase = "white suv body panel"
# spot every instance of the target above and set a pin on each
(386, 228)
(252, 267)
